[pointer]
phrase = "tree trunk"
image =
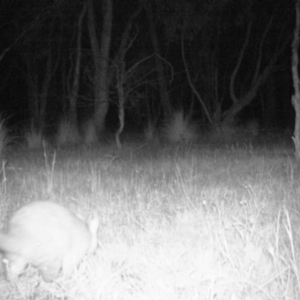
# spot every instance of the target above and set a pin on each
(270, 117)
(259, 77)
(101, 59)
(44, 92)
(121, 73)
(296, 96)
(41, 68)
(163, 90)
(120, 88)
(75, 86)
(33, 95)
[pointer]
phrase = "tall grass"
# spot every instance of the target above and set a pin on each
(178, 223)
(4, 140)
(3, 136)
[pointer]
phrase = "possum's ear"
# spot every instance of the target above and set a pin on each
(93, 224)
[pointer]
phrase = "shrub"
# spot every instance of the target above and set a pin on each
(180, 129)
(89, 132)
(67, 133)
(150, 132)
(233, 133)
(34, 138)
(3, 136)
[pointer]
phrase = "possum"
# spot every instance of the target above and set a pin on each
(49, 237)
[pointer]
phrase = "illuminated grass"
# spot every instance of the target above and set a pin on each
(175, 224)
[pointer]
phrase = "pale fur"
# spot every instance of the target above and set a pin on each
(49, 237)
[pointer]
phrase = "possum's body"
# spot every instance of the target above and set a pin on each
(49, 237)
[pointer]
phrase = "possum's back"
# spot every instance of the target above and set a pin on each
(48, 236)
(49, 223)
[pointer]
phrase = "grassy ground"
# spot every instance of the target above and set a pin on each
(177, 222)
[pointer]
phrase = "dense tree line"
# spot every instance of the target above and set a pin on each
(138, 61)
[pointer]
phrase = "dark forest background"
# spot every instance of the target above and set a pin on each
(218, 62)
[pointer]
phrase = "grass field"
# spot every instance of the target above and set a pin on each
(177, 222)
